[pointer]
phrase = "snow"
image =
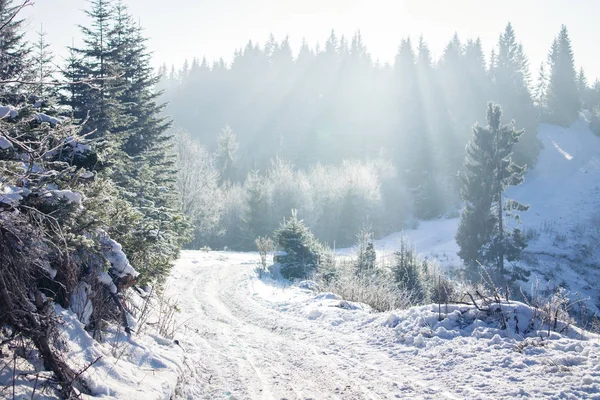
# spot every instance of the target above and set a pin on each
(8, 111)
(68, 195)
(113, 252)
(139, 367)
(246, 337)
(12, 195)
(80, 304)
(105, 279)
(5, 143)
(40, 117)
(78, 147)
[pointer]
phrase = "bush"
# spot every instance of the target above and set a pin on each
(378, 289)
(408, 271)
(264, 245)
(365, 253)
(595, 123)
(303, 251)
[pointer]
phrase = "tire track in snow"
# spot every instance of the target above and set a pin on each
(254, 352)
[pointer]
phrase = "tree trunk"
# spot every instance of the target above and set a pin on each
(500, 236)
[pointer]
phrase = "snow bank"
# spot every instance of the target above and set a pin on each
(121, 367)
(426, 325)
(129, 367)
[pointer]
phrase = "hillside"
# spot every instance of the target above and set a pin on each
(562, 225)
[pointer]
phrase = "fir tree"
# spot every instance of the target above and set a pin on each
(482, 235)
(97, 103)
(582, 89)
(365, 253)
(14, 53)
(511, 88)
(227, 147)
(407, 271)
(303, 251)
(541, 88)
(44, 70)
(563, 96)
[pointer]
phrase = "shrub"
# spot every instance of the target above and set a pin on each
(303, 251)
(264, 245)
(408, 270)
(376, 289)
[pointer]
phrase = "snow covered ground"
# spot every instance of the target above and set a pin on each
(250, 338)
(144, 366)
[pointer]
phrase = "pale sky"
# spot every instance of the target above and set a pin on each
(180, 29)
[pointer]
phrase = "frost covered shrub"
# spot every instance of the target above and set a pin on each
(408, 270)
(365, 253)
(303, 251)
(264, 245)
(595, 122)
(201, 199)
(377, 289)
(286, 189)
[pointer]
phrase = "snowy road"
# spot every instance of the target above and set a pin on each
(245, 338)
(239, 347)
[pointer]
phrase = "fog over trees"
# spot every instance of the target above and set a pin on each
(351, 142)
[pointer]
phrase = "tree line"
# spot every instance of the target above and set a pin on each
(327, 105)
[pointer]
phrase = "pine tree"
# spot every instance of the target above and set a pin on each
(148, 176)
(563, 96)
(227, 147)
(303, 251)
(44, 70)
(123, 116)
(14, 53)
(97, 103)
(254, 219)
(582, 89)
(541, 88)
(482, 235)
(365, 254)
(407, 270)
(511, 88)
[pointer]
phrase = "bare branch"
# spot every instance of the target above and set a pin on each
(89, 82)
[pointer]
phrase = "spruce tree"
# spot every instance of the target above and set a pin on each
(42, 58)
(541, 88)
(482, 234)
(122, 114)
(365, 254)
(97, 103)
(582, 89)
(148, 176)
(563, 96)
(303, 251)
(227, 147)
(15, 53)
(511, 89)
